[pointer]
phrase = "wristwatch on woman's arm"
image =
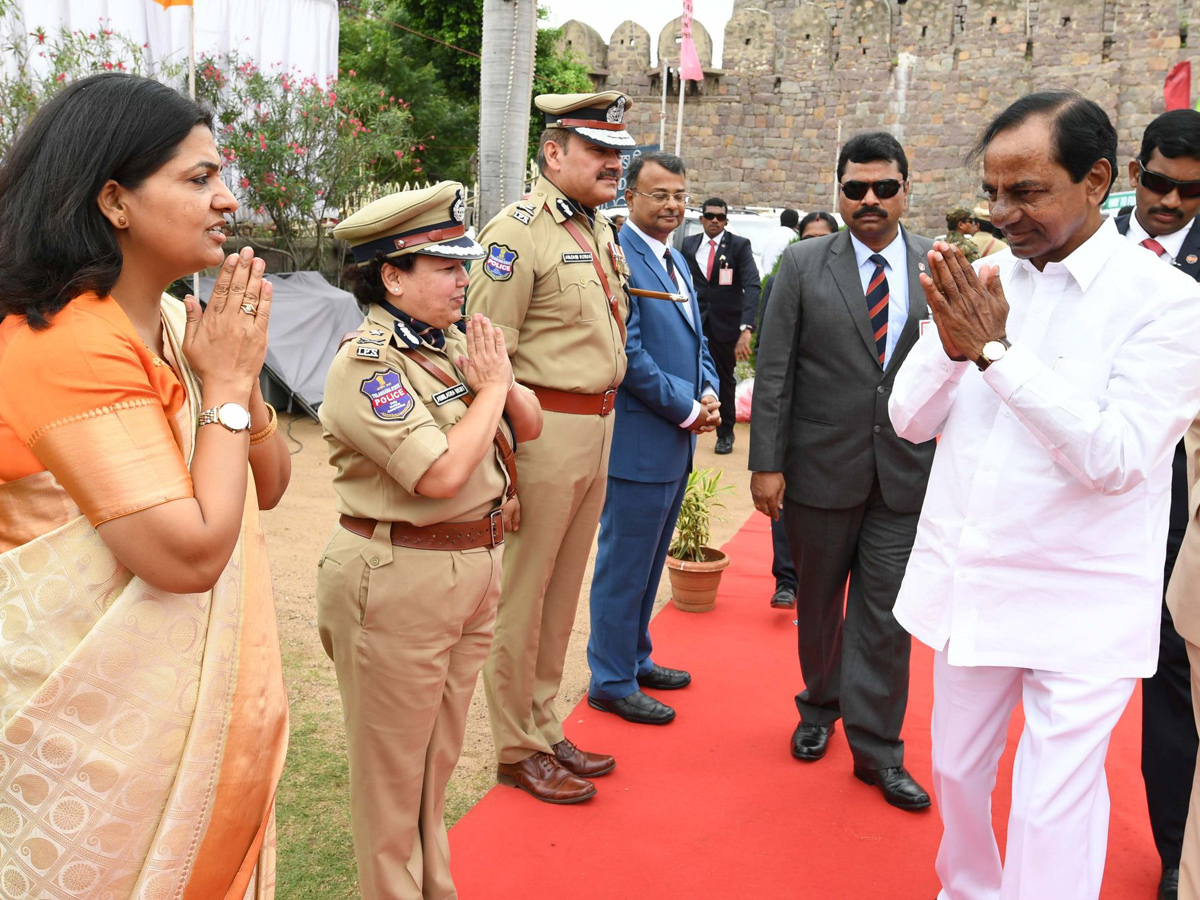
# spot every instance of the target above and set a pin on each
(233, 416)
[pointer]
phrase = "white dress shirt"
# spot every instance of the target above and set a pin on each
(660, 250)
(1043, 532)
(777, 241)
(1172, 242)
(896, 272)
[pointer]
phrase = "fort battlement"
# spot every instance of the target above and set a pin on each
(764, 128)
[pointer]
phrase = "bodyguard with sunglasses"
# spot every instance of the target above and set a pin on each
(727, 284)
(845, 310)
(1166, 176)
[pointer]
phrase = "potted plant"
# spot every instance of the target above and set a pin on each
(694, 567)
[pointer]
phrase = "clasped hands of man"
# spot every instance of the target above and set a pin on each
(970, 310)
(709, 416)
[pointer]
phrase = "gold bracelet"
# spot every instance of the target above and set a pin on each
(269, 429)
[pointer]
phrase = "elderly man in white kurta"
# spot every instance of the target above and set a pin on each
(1060, 379)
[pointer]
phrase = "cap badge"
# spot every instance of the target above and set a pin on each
(458, 212)
(616, 112)
(1191, 258)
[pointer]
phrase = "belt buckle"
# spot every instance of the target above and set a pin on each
(609, 402)
(496, 523)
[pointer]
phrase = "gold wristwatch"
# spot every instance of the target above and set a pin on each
(993, 351)
(233, 416)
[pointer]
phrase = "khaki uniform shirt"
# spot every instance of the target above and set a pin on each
(385, 419)
(988, 243)
(541, 288)
(964, 243)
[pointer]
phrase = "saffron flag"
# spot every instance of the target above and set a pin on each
(689, 62)
(166, 4)
(1177, 89)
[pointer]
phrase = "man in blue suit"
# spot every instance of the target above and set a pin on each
(669, 395)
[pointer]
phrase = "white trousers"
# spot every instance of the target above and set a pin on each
(1058, 823)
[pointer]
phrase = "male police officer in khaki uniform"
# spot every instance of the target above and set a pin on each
(552, 281)
(408, 584)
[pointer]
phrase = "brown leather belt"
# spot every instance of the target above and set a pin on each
(575, 404)
(486, 532)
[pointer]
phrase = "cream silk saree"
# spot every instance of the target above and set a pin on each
(142, 733)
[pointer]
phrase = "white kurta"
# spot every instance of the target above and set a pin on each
(1043, 532)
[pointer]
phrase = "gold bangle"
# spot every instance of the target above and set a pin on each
(269, 429)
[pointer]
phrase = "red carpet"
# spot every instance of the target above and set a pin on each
(713, 805)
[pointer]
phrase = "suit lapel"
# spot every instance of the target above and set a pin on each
(1189, 251)
(638, 246)
(843, 266)
(694, 322)
(917, 308)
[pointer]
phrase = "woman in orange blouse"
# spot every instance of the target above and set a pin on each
(143, 722)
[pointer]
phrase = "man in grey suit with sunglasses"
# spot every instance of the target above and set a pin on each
(845, 310)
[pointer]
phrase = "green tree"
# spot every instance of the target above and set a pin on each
(440, 83)
(445, 123)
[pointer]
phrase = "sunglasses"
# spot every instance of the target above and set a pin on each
(1161, 184)
(856, 190)
(719, 217)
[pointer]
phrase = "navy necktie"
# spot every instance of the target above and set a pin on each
(670, 264)
(877, 306)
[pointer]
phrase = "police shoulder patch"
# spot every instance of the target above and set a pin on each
(500, 262)
(389, 399)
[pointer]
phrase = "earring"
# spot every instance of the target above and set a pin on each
(122, 221)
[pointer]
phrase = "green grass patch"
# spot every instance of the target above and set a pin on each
(316, 855)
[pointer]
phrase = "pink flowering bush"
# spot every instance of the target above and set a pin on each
(296, 148)
(41, 63)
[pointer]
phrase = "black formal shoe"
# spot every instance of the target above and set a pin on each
(724, 445)
(897, 786)
(1168, 886)
(809, 742)
(637, 707)
(784, 597)
(661, 678)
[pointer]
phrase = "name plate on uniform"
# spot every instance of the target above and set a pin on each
(441, 398)
(577, 257)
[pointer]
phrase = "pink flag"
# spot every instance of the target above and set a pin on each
(689, 62)
(1177, 90)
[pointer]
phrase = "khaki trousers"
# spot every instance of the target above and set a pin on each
(562, 477)
(407, 631)
(1189, 864)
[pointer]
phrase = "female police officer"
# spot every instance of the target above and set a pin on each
(420, 419)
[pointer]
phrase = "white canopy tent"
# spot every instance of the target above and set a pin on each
(290, 34)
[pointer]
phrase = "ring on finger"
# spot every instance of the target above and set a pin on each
(249, 309)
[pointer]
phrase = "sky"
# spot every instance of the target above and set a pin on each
(650, 14)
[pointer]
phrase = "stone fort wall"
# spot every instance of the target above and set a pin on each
(798, 76)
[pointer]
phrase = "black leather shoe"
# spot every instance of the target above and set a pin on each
(1168, 886)
(661, 678)
(637, 707)
(897, 786)
(724, 445)
(784, 597)
(809, 742)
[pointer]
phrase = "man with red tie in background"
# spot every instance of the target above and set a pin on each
(726, 278)
(1166, 176)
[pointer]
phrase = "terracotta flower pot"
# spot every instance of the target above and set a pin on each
(694, 584)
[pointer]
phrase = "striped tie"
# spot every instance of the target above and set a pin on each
(877, 306)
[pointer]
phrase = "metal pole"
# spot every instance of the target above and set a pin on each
(679, 121)
(662, 115)
(837, 151)
(192, 93)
